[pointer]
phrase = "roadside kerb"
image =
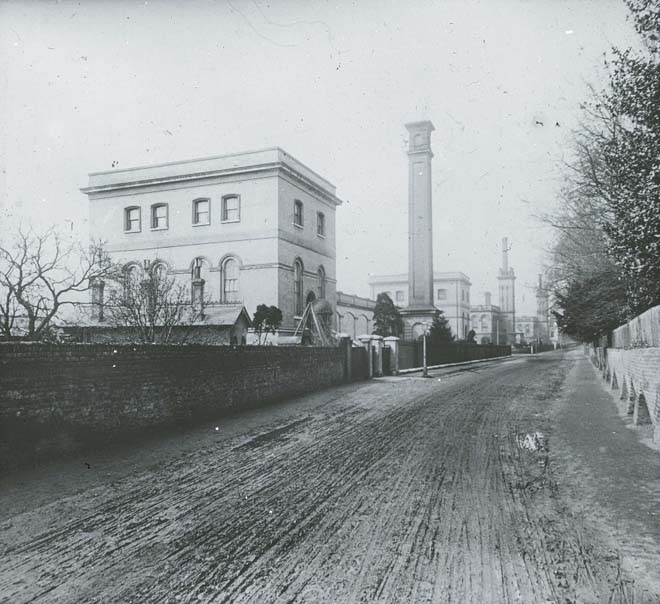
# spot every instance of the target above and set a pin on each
(416, 369)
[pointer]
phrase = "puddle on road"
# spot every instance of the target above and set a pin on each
(281, 434)
(532, 441)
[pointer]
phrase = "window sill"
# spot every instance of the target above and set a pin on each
(230, 221)
(134, 231)
(320, 236)
(199, 224)
(298, 226)
(159, 228)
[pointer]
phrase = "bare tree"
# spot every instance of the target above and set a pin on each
(9, 311)
(40, 273)
(152, 307)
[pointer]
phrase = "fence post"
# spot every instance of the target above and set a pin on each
(393, 343)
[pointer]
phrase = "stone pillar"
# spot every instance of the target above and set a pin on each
(346, 346)
(393, 343)
(377, 344)
(366, 343)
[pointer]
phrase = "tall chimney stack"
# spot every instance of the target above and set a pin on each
(487, 299)
(420, 216)
(505, 254)
(419, 313)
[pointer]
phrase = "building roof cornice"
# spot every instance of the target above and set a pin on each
(250, 162)
(437, 276)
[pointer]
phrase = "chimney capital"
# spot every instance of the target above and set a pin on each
(419, 136)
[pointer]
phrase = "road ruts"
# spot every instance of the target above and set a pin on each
(405, 490)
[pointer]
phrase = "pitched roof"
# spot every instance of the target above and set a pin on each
(224, 314)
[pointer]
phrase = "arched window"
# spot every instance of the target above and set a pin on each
(131, 281)
(298, 287)
(197, 269)
(230, 285)
(321, 282)
(197, 284)
(418, 330)
(159, 271)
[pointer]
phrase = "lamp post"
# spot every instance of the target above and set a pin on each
(425, 372)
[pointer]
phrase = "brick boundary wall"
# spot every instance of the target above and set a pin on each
(635, 374)
(63, 398)
(629, 360)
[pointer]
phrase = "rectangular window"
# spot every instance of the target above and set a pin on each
(201, 211)
(442, 294)
(231, 208)
(399, 295)
(298, 213)
(132, 220)
(320, 224)
(159, 216)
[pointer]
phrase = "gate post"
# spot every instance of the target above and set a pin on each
(393, 343)
(366, 342)
(377, 343)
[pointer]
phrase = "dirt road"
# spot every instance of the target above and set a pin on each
(398, 490)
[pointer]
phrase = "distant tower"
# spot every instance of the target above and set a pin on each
(420, 229)
(542, 306)
(507, 287)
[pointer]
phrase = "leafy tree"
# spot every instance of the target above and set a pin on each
(606, 259)
(40, 273)
(592, 307)
(267, 319)
(616, 170)
(440, 332)
(387, 318)
(152, 307)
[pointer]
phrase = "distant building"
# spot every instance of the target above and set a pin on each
(355, 315)
(543, 311)
(250, 228)
(527, 329)
(485, 321)
(500, 324)
(507, 297)
(451, 295)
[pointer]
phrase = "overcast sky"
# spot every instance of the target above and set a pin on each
(91, 83)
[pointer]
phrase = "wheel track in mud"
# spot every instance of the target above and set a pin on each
(411, 496)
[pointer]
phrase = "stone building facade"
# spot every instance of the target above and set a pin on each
(355, 315)
(451, 295)
(485, 321)
(250, 228)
